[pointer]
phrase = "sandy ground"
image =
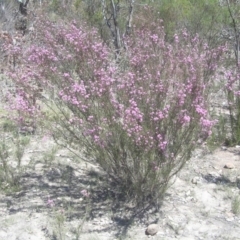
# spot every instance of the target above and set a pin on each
(202, 203)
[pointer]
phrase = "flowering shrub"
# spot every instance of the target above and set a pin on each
(22, 98)
(139, 117)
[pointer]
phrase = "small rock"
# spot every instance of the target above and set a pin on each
(195, 180)
(230, 219)
(188, 193)
(229, 166)
(152, 229)
(194, 200)
(224, 148)
(214, 174)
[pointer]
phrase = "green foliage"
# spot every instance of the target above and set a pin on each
(204, 17)
(77, 4)
(219, 135)
(12, 148)
(93, 12)
(54, 5)
(232, 67)
(59, 230)
(234, 110)
(236, 205)
(173, 13)
(49, 156)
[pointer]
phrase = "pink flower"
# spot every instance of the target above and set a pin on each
(50, 202)
(85, 193)
(186, 119)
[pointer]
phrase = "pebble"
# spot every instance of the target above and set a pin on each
(230, 219)
(152, 229)
(214, 174)
(195, 180)
(229, 166)
(188, 193)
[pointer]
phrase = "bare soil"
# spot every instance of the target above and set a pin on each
(203, 201)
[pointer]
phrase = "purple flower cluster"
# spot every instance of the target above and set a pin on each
(155, 95)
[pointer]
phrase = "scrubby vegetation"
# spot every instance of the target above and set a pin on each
(126, 85)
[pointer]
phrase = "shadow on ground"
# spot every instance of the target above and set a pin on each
(60, 187)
